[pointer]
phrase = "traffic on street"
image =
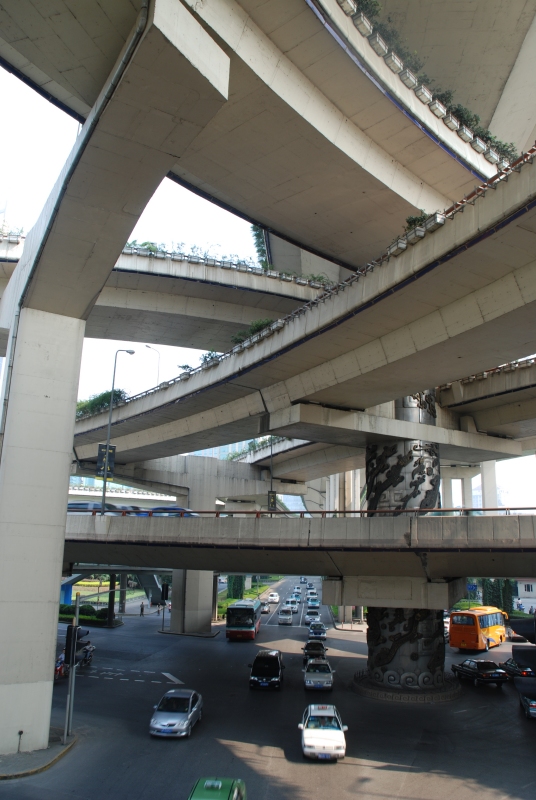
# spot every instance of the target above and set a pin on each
(306, 735)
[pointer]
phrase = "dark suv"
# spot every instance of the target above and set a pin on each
(266, 670)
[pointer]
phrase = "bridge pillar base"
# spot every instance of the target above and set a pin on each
(406, 648)
(191, 601)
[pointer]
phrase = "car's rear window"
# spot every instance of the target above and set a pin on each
(484, 666)
(319, 668)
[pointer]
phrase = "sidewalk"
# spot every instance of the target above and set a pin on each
(19, 765)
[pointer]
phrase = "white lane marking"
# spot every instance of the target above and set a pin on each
(149, 671)
(94, 676)
(108, 679)
(156, 681)
(137, 680)
(124, 679)
(172, 678)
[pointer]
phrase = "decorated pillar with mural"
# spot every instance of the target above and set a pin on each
(405, 474)
(406, 647)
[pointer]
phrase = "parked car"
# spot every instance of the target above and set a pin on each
(273, 597)
(318, 674)
(323, 733)
(317, 630)
(168, 511)
(85, 508)
(218, 789)
(480, 671)
(314, 649)
(516, 670)
(526, 688)
(265, 608)
(176, 713)
(285, 616)
(267, 670)
(313, 615)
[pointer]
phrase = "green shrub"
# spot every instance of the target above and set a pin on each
(100, 402)
(88, 610)
(102, 613)
(66, 609)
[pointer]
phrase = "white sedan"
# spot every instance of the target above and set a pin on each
(273, 597)
(323, 733)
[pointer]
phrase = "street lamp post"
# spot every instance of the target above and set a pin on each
(148, 346)
(105, 476)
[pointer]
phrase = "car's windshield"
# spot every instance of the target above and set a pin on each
(285, 612)
(316, 723)
(318, 668)
(239, 618)
(265, 668)
(485, 665)
(314, 647)
(175, 705)
(317, 626)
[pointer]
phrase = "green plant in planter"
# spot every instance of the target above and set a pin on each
(256, 327)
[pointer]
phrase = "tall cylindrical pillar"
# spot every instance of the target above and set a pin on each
(111, 601)
(406, 647)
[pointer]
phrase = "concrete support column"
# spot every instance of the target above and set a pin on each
(111, 601)
(191, 601)
(467, 492)
(359, 614)
(123, 578)
(489, 484)
(446, 493)
(37, 452)
(406, 647)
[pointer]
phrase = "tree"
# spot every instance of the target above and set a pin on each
(260, 246)
(235, 587)
(99, 402)
(509, 591)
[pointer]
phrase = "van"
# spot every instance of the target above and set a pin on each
(285, 616)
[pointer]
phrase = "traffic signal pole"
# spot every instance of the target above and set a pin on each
(70, 654)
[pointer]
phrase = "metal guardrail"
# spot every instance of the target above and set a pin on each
(416, 512)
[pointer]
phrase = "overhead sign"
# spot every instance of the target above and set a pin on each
(101, 460)
(472, 587)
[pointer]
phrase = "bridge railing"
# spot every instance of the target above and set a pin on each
(326, 514)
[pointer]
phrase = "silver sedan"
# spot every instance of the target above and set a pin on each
(176, 713)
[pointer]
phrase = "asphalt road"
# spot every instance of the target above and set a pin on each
(479, 746)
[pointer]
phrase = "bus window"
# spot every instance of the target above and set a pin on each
(462, 619)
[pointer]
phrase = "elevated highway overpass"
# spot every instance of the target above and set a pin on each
(286, 115)
(434, 548)
(459, 300)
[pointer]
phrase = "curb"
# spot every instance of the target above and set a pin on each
(345, 630)
(43, 767)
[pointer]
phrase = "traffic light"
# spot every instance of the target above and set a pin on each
(165, 591)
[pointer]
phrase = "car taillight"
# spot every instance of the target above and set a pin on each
(532, 704)
(525, 674)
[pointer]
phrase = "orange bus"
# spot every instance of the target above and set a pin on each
(477, 628)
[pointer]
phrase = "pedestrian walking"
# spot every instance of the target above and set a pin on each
(142, 608)
(158, 609)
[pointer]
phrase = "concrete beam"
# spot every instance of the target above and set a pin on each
(175, 81)
(400, 592)
(358, 429)
(428, 547)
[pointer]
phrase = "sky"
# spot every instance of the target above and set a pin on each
(38, 138)
(35, 140)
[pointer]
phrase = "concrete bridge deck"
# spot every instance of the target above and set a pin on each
(459, 299)
(430, 547)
